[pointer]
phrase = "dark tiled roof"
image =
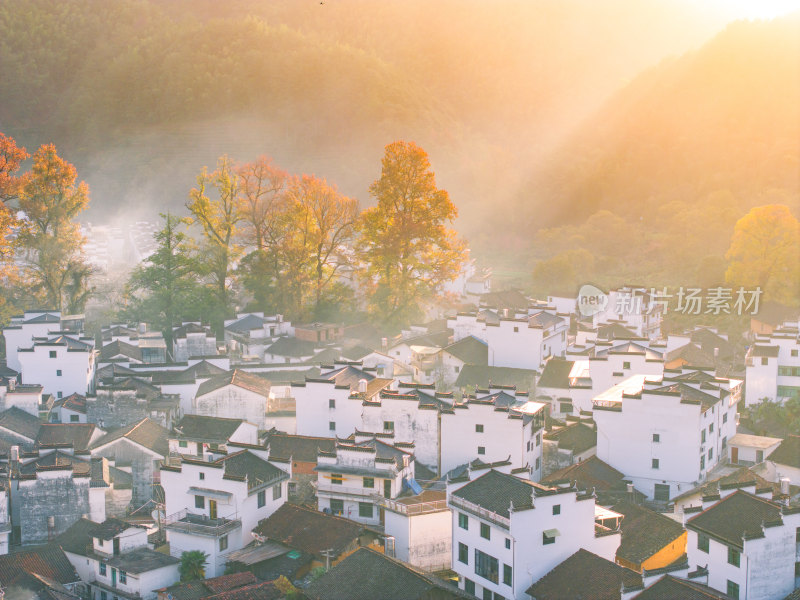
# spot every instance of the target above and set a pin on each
(505, 299)
(35, 587)
(20, 422)
(483, 376)
(741, 477)
(196, 590)
(615, 331)
(257, 470)
(768, 351)
(77, 435)
(242, 379)
(77, 537)
(300, 447)
(590, 473)
(735, 516)
(291, 347)
(110, 528)
(347, 375)
(142, 560)
(266, 590)
(672, 588)
(48, 561)
(370, 575)
(788, 453)
(146, 433)
(583, 575)
(74, 402)
(204, 368)
(556, 373)
(644, 532)
(544, 320)
(578, 437)
(198, 427)
(180, 332)
(495, 491)
(117, 347)
(470, 350)
(246, 324)
(309, 530)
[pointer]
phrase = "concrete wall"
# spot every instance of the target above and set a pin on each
(52, 493)
(233, 402)
(139, 461)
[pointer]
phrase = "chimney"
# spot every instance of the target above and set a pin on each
(14, 454)
(12, 385)
(362, 386)
(142, 327)
(384, 344)
(785, 486)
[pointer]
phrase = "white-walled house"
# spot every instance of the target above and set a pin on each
(5, 518)
(772, 367)
(745, 449)
(26, 397)
(526, 342)
(200, 437)
(22, 330)
(350, 479)
(509, 532)
(748, 544)
(213, 506)
(236, 394)
(784, 461)
(61, 364)
(498, 426)
(665, 435)
(191, 339)
(254, 332)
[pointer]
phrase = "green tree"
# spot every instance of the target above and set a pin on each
(164, 288)
(218, 218)
(406, 246)
(193, 565)
(765, 252)
(51, 199)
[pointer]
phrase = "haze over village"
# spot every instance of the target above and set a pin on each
(348, 300)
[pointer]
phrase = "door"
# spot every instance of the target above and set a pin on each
(387, 488)
(734, 455)
(113, 577)
(116, 546)
(199, 448)
(212, 509)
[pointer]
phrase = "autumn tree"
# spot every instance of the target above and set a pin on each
(765, 252)
(164, 288)
(218, 215)
(11, 157)
(407, 248)
(51, 199)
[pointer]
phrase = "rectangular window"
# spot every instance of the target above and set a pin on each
(794, 353)
(331, 426)
(388, 425)
(463, 553)
(506, 575)
(463, 521)
(276, 492)
(711, 428)
(123, 576)
(508, 543)
(481, 450)
(337, 478)
(733, 556)
(538, 438)
(710, 454)
(654, 463)
(199, 502)
(546, 539)
(262, 498)
(202, 475)
(369, 482)
(703, 436)
(702, 543)
(337, 506)
(536, 464)
(486, 531)
(331, 403)
(487, 566)
(469, 586)
(797, 535)
(478, 428)
(759, 456)
(365, 510)
(52, 353)
(626, 365)
(223, 543)
(702, 462)
(74, 418)
(103, 596)
(725, 418)
(556, 509)
(764, 361)
(516, 329)
(656, 437)
(565, 407)
(183, 444)
(60, 394)
(58, 372)
(733, 590)
(103, 569)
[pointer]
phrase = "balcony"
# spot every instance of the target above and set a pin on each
(190, 523)
(480, 512)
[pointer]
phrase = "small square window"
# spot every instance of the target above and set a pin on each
(478, 428)
(58, 372)
(103, 569)
(626, 365)
(332, 426)
(508, 543)
(202, 475)
(655, 463)
(388, 425)
(794, 353)
(463, 521)
(556, 509)
(486, 532)
(546, 539)
(123, 576)
(656, 437)
(764, 361)
(337, 478)
(369, 482)
(337, 506)
(331, 403)
(365, 510)
(199, 502)
(262, 498)
(481, 450)
(74, 418)
(516, 329)
(183, 444)
(53, 354)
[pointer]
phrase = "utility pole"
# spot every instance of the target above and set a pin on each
(328, 554)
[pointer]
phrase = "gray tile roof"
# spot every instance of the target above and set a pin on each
(146, 433)
(735, 516)
(495, 491)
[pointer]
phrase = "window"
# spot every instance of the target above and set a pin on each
(556, 509)
(487, 594)
(463, 553)
(365, 510)
(702, 543)
(199, 502)
(703, 436)
(516, 329)
(58, 372)
(710, 454)
(794, 353)
(60, 394)
(711, 428)
(764, 361)
(276, 492)
(797, 535)
(538, 438)
(388, 425)
(456, 368)
(702, 462)
(508, 543)
(759, 456)
(331, 403)
(337, 478)
(202, 475)
(103, 596)
(536, 464)
(262, 498)
(478, 428)
(183, 444)
(626, 365)
(733, 590)
(654, 463)
(469, 586)
(463, 521)
(481, 450)
(52, 353)
(548, 539)
(337, 506)
(725, 418)
(656, 437)
(733, 556)
(506, 575)
(565, 407)
(103, 569)
(223, 543)
(369, 482)
(73, 418)
(486, 566)
(331, 426)
(486, 532)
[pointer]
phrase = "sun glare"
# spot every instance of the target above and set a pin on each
(759, 9)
